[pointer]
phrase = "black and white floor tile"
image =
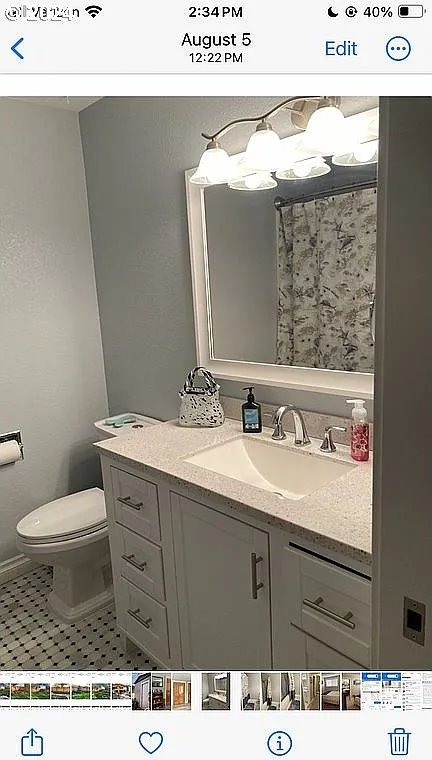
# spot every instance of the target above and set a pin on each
(32, 639)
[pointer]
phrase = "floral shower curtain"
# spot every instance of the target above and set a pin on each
(326, 282)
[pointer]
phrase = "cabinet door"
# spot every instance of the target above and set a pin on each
(222, 567)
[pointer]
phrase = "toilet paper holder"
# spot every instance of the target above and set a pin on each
(14, 436)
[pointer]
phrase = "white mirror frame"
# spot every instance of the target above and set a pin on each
(335, 382)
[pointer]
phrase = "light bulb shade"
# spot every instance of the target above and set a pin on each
(263, 151)
(257, 181)
(327, 132)
(311, 167)
(214, 168)
(363, 154)
(366, 152)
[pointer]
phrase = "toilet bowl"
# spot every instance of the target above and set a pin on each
(71, 534)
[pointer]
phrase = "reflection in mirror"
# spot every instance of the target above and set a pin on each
(292, 271)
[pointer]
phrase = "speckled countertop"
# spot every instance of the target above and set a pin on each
(337, 516)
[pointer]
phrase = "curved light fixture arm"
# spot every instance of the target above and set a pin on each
(284, 105)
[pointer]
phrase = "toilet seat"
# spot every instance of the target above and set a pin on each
(66, 519)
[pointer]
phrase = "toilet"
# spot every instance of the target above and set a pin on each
(71, 535)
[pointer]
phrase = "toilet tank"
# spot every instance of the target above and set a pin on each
(105, 431)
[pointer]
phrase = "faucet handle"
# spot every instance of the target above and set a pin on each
(328, 444)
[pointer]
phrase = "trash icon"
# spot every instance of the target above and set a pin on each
(399, 742)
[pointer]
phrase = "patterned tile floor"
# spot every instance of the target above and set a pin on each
(32, 639)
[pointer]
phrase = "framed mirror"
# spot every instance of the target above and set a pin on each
(284, 278)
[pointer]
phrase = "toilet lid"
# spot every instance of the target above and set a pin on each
(79, 513)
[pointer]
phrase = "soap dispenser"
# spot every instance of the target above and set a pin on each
(251, 413)
(359, 431)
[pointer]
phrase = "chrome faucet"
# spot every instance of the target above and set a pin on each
(328, 444)
(301, 437)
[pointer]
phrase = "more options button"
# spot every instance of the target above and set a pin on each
(341, 48)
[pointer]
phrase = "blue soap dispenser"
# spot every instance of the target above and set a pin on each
(251, 413)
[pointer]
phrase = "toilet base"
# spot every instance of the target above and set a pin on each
(80, 589)
(82, 577)
(69, 614)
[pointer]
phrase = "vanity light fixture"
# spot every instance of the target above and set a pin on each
(256, 181)
(366, 152)
(362, 154)
(263, 149)
(326, 133)
(214, 167)
(307, 169)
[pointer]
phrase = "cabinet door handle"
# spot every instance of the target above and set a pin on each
(127, 500)
(132, 561)
(136, 616)
(317, 607)
(255, 585)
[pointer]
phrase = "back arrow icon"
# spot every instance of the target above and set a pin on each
(15, 47)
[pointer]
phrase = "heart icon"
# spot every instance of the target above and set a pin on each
(151, 742)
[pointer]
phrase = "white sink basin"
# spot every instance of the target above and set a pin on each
(274, 467)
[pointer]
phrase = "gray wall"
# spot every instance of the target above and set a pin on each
(136, 151)
(52, 383)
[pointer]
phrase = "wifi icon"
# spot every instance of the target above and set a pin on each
(93, 10)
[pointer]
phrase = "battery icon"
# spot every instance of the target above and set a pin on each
(411, 11)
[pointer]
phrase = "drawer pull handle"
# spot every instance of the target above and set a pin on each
(136, 616)
(132, 561)
(127, 500)
(317, 606)
(255, 585)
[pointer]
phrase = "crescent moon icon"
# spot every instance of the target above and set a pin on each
(331, 13)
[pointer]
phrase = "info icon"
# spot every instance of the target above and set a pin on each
(279, 743)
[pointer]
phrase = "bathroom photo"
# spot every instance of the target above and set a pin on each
(310, 691)
(216, 691)
(204, 304)
(351, 691)
(290, 691)
(251, 691)
(270, 691)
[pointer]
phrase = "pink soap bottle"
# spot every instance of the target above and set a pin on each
(359, 431)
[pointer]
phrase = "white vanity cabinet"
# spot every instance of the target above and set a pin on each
(201, 586)
(321, 610)
(142, 562)
(222, 568)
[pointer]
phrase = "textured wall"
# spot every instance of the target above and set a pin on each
(52, 383)
(136, 151)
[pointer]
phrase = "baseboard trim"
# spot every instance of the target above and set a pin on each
(14, 567)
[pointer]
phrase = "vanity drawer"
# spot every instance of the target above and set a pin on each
(140, 562)
(136, 504)
(335, 607)
(144, 620)
(320, 656)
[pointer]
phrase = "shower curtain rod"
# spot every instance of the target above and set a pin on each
(280, 202)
